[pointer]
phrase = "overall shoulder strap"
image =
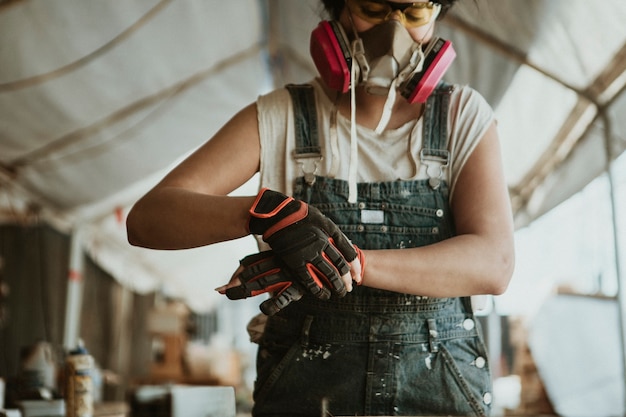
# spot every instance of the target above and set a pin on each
(434, 152)
(308, 152)
(305, 116)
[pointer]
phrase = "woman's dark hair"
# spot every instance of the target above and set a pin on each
(334, 7)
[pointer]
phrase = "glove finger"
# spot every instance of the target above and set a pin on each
(237, 293)
(341, 270)
(269, 307)
(315, 280)
(324, 272)
(261, 273)
(257, 258)
(281, 299)
(274, 282)
(269, 269)
(344, 245)
(336, 258)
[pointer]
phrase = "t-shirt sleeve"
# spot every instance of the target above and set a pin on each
(469, 118)
(275, 123)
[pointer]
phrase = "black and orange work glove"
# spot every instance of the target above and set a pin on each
(264, 273)
(314, 249)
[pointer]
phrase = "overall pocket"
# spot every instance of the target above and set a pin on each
(308, 375)
(443, 379)
(296, 373)
(466, 363)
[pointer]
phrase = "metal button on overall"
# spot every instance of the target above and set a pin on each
(480, 362)
(468, 324)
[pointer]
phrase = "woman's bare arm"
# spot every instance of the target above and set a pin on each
(190, 206)
(480, 259)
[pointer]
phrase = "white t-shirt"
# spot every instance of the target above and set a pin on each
(390, 156)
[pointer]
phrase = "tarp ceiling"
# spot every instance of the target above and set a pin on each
(99, 99)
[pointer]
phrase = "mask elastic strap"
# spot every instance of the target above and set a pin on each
(417, 63)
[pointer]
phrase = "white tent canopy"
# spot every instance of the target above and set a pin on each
(99, 99)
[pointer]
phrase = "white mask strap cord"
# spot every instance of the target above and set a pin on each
(358, 58)
(387, 108)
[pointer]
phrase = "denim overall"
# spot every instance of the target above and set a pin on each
(376, 352)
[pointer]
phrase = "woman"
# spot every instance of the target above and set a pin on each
(417, 188)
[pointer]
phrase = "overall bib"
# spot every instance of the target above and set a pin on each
(376, 352)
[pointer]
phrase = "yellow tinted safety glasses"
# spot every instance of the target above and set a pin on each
(377, 11)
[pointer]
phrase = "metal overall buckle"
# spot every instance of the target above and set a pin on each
(435, 159)
(309, 164)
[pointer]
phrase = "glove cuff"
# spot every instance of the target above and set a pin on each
(361, 256)
(272, 211)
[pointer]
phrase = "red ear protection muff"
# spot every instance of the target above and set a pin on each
(437, 58)
(330, 50)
